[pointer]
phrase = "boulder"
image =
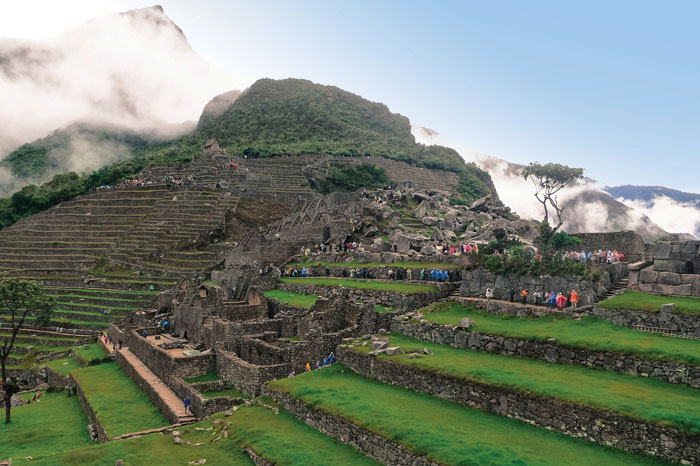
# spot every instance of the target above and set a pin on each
(379, 344)
(670, 307)
(393, 350)
(451, 216)
(429, 221)
(422, 209)
(427, 250)
(481, 205)
(465, 323)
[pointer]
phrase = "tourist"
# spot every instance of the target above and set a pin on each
(574, 299)
(187, 403)
(318, 364)
(512, 295)
(538, 297)
(524, 295)
(489, 294)
(144, 333)
(561, 302)
(547, 297)
(307, 367)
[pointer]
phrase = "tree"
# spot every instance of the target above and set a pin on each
(18, 300)
(549, 179)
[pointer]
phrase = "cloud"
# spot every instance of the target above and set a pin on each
(588, 208)
(671, 215)
(134, 70)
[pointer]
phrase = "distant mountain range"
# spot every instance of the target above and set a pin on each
(649, 193)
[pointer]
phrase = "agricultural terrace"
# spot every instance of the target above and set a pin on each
(399, 287)
(648, 399)
(443, 431)
(589, 332)
(394, 265)
(56, 423)
(291, 298)
(280, 439)
(636, 300)
(120, 405)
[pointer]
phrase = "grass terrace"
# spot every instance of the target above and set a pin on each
(399, 287)
(119, 403)
(56, 423)
(93, 351)
(210, 376)
(291, 298)
(63, 366)
(636, 300)
(648, 399)
(444, 432)
(395, 265)
(589, 332)
(280, 439)
(379, 308)
(228, 392)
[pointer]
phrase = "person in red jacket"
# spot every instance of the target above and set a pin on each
(561, 302)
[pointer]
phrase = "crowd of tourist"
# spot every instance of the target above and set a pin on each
(600, 256)
(327, 361)
(550, 299)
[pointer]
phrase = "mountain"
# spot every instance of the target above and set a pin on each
(648, 193)
(132, 71)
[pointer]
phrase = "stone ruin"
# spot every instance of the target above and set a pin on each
(675, 269)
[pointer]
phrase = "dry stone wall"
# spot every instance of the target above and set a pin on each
(677, 323)
(572, 419)
(630, 243)
(668, 371)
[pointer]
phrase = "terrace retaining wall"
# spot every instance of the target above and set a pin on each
(89, 412)
(373, 445)
(201, 406)
(572, 419)
(677, 323)
(244, 376)
(384, 298)
(668, 371)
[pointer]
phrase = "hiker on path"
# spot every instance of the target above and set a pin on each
(524, 294)
(489, 294)
(187, 403)
(574, 299)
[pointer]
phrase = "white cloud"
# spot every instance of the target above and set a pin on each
(671, 215)
(135, 70)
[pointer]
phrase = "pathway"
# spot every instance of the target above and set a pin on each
(172, 401)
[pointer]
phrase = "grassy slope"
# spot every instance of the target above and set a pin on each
(56, 423)
(119, 403)
(648, 399)
(280, 439)
(651, 302)
(444, 431)
(291, 298)
(590, 332)
(399, 287)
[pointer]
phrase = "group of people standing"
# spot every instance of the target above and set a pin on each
(600, 256)
(549, 299)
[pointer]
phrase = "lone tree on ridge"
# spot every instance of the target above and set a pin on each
(19, 299)
(549, 179)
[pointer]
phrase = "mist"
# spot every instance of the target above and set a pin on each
(134, 70)
(587, 207)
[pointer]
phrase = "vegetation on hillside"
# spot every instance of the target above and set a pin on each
(349, 178)
(290, 116)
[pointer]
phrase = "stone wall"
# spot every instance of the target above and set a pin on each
(630, 243)
(681, 257)
(475, 282)
(201, 406)
(668, 371)
(669, 283)
(570, 418)
(371, 444)
(89, 412)
(677, 323)
(384, 298)
(245, 377)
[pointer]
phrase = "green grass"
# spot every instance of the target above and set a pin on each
(648, 399)
(445, 432)
(636, 300)
(208, 377)
(395, 265)
(281, 439)
(399, 287)
(589, 333)
(63, 366)
(379, 308)
(102, 292)
(119, 404)
(93, 351)
(56, 423)
(102, 298)
(292, 298)
(228, 392)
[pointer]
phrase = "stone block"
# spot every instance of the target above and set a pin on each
(634, 277)
(669, 278)
(648, 275)
(662, 265)
(664, 289)
(465, 323)
(422, 209)
(392, 350)
(689, 278)
(689, 249)
(430, 221)
(662, 251)
(670, 308)
(683, 290)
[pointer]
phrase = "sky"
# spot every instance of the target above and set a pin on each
(608, 86)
